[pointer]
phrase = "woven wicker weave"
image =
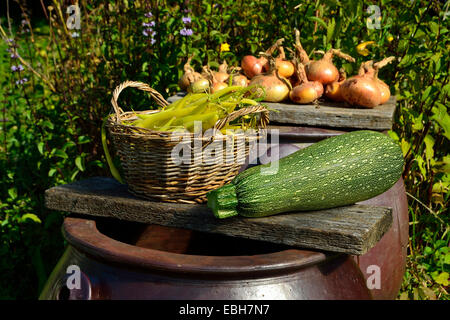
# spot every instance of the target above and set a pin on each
(152, 172)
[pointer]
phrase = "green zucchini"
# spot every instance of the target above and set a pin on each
(334, 172)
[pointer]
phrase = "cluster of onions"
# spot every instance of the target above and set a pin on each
(365, 89)
(253, 66)
(302, 80)
(270, 85)
(305, 91)
(217, 79)
(190, 76)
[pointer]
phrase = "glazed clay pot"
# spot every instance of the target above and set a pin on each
(210, 267)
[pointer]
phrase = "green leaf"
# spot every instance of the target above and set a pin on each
(447, 258)
(330, 30)
(426, 93)
(51, 172)
(418, 123)
(320, 21)
(441, 116)
(12, 193)
(83, 139)
(40, 147)
(427, 251)
(60, 153)
(393, 135)
(30, 216)
(429, 151)
(442, 278)
(405, 145)
(79, 163)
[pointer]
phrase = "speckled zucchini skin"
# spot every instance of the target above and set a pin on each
(338, 171)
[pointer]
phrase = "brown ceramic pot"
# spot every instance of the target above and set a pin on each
(211, 267)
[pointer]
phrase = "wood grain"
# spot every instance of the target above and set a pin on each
(329, 114)
(351, 229)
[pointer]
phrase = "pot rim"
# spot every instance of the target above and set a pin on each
(84, 236)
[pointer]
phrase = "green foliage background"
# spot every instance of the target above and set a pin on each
(52, 132)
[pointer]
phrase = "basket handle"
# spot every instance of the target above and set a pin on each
(141, 86)
(263, 121)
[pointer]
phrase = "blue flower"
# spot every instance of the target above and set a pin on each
(149, 24)
(22, 81)
(186, 32)
(149, 32)
(17, 68)
(186, 20)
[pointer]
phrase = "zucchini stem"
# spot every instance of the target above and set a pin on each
(223, 201)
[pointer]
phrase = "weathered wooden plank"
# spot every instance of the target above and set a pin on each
(330, 114)
(351, 229)
(338, 115)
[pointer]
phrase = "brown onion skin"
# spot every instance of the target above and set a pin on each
(221, 76)
(240, 80)
(333, 91)
(304, 93)
(218, 86)
(361, 91)
(385, 91)
(252, 66)
(276, 89)
(322, 70)
(184, 81)
(285, 68)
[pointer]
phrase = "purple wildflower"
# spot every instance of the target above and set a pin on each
(149, 24)
(22, 81)
(186, 20)
(149, 32)
(148, 15)
(75, 35)
(152, 41)
(9, 40)
(186, 32)
(14, 55)
(186, 10)
(17, 68)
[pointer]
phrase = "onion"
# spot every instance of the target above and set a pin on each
(384, 88)
(365, 89)
(239, 80)
(333, 90)
(222, 75)
(189, 76)
(216, 85)
(306, 91)
(253, 66)
(322, 70)
(285, 68)
(199, 86)
(276, 87)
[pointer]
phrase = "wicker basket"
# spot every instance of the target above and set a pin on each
(150, 169)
